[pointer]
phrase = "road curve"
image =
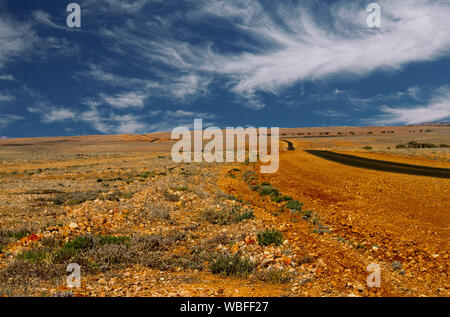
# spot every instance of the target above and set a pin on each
(380, 165)
(290, 145)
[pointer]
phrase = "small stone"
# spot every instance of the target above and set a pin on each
(73, 225)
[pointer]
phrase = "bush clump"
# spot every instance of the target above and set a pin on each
(232, 265)
(268, 237)
(268, 190)
(75, 198)
(280, 199)
(226, 216)
(416, 145)
(294, 205)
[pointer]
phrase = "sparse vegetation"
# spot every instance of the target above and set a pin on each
(416, 145)
(232, 265)
(135, 216)
(294, 205)
(267, 190)
(76, 198)
(226, 216)
(268, 237)
(275, 276)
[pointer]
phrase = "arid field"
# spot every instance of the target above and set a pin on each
(139, 224)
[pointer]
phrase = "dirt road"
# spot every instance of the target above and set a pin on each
(396, 217)
(379, 165)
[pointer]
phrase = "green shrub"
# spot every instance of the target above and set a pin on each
(294, 205)
(232, 265)
(147, 174)
(307, 214)
(82, 242)
(268, 190)
(268, 237)
(107, 239)
(249, 176)
(34, 255)
(282, 198)
(245, 215)
(117, 195)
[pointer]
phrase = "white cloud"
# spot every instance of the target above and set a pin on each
(291, 44)
(113, 123)
(113, 79)
(7, 119)
(189, 85)
(7, 77)
(126, 100)
(119, 6)
(59, 115)
(437, 109)
(52, 114)
(15, 39)
(188, 114)
(6, 98)
(44, 18)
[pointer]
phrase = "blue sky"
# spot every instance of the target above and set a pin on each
(141, 66)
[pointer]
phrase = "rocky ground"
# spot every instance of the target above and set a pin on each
(140, 225)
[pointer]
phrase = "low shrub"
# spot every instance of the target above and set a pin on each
(275, 276)
(232, 265)
(108, 255)
(75, 198)
(268, 237)
(117, 195)
(268, 190)
(282, 198)
(226, 216)
(107, 239)
(294, 205)
(245, 215)
(147, 174)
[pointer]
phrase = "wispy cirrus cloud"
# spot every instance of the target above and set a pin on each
(44, 18)
(6, 98)
(7, 77)
(126, 100)
(16, 38)
(288, 42)
(8, 119)
(119, 6)
(435, 109)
